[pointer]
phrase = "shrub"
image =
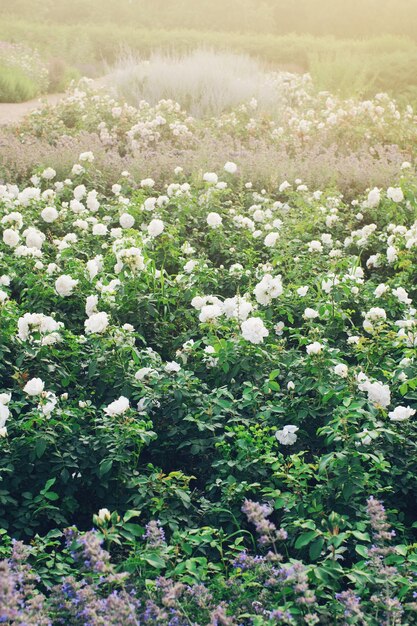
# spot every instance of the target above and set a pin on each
(202, 364)
(22, 73)
(16, 86)
(60, 75)
(204, 82)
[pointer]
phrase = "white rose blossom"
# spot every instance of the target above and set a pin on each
(286, 436)
(34, 387)
(64, 285)
(117, 407)
(254, 330)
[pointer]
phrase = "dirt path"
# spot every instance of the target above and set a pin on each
(13, 112)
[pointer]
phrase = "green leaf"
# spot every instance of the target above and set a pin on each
(48, 484)
(134, 529)
(40, 447)
(347, 491)
(362, 551)
(273, 375)
(305, 539)
(51, 495)
(361, 536)
(274, 385)
(155, 560)
(316, 548)
(105, 466)
(129, 514)
(403, 389)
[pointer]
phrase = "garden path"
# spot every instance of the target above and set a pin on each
(13, 112)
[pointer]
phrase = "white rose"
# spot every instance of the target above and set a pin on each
(34, 387)
(99, 230)
(395, 194)
(126, 220)
(374, 197)
(254, 330)
(96, 323)
(143, 372)
(103, 514)
(48, 173)
(77, 169)
(271, 239)
(314, 348)
(64, 285)
(230, 167)
(286, 436)
(49, 214)
(341, 370)
(172, 366)
(210, 177)
(401, 413)
(86, 156)
(11, 237)
(214, 220)
(210, 312)
(118, 407)
(310, 314)
(4, 415)
(155, 227)
(5, 398)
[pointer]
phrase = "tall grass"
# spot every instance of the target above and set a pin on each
(346, 76)
(341, 18)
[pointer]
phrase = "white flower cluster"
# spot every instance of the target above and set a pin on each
(379, 394)
(268, 289)
(32, 324)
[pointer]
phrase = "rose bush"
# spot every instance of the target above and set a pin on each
(172, 353)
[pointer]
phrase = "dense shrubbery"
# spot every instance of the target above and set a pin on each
(221, 376)
(15, 85)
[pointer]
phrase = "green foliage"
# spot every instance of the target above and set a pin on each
(207, 365)
(385, 62)
(60, 75)
(16, 86)
(358, 18)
